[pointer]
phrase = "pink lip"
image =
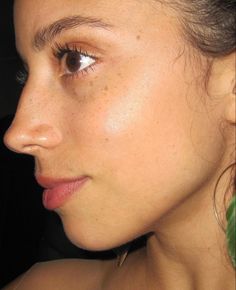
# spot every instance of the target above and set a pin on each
(58, 191)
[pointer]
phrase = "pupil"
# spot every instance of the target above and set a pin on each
(73, 61)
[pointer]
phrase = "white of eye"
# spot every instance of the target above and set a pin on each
(73, 62)
(86, 61)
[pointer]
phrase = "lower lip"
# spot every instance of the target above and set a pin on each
(57, 196)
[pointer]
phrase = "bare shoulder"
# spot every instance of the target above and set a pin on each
(73, 274)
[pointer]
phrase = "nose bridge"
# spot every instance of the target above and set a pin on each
(34, 125)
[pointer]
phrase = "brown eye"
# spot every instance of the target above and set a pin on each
(73, 61)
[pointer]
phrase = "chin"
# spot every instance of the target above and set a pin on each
(94, 239)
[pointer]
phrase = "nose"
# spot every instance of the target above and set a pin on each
(26, 139)
(33, 129)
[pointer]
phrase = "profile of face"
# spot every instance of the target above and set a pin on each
(114, 97)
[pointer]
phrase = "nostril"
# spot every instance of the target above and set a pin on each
(45, 135)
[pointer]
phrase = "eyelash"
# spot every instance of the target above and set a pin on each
(22, 76)
(59, 51)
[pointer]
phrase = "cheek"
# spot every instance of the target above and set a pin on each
(149, 119)
(121, 117)
(128, 113)
(153, 132)
(144, 148)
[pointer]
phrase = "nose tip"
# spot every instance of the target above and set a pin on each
(27, 140)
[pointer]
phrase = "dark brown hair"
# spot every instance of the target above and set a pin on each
(208, 25)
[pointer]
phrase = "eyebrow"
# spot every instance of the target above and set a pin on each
(46, 34)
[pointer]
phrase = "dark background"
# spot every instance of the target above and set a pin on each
(28, 233)
(9, 63)
(22, 218)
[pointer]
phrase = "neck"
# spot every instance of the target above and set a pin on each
(188, 249)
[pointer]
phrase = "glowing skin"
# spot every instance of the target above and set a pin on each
(139, 124)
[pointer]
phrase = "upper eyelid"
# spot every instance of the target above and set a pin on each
(60, 49)
(22, 73)
(99, 50)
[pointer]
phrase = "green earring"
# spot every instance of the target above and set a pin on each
(231, 230)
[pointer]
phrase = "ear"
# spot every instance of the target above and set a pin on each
(222, 83)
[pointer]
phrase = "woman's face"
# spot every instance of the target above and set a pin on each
(114, 94)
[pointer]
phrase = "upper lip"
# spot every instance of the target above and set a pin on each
(50, 182)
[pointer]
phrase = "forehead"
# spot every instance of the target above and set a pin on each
(126, 17)
(119, 12)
